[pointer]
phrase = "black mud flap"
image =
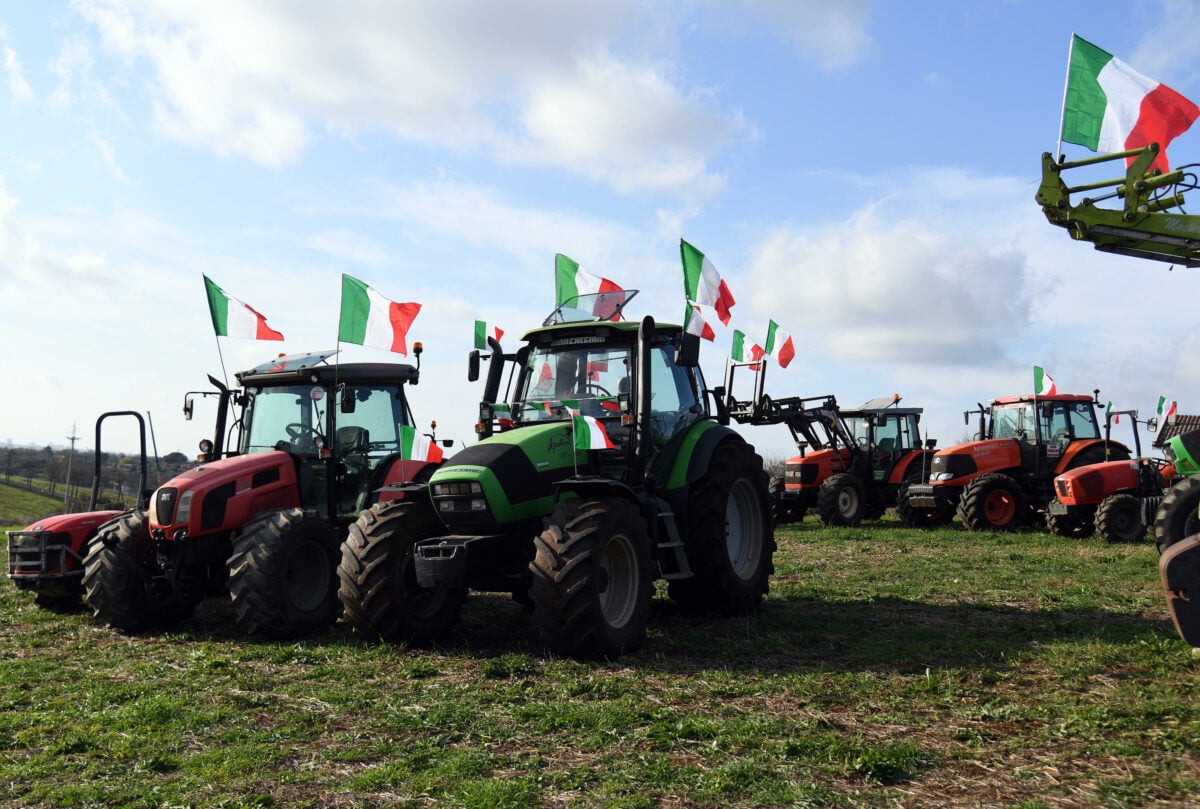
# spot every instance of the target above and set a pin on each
(1180, 571)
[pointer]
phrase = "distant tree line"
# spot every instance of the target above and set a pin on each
(45, 470)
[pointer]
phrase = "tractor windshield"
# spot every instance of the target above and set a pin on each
(290, 418)
(1013, 421)
(593, 381)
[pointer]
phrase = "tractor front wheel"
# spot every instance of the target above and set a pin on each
(918, 517)
(992, 502)
(119, 579)
(1119, 519)
(592, 579)
(1072, 525)
(1176, 517)
(281, 574)
(730, 543)
(379, 587)
(842, 500)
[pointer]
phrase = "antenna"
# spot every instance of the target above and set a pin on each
(67, 488)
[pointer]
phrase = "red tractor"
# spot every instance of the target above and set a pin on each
(47, 557)
(861, 460)
(315, 444)
(1117, 499)
(1000, 482)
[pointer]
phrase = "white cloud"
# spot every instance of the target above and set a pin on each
(18, 87)
(831, 34)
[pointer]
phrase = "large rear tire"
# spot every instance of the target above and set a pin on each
(379, 589)
(119, 583)
(992, 502)
(911, 517)
(592, 579)
(730, 543)
(842, 500)
(281, 574)
(1177, 516)
(1119, 519)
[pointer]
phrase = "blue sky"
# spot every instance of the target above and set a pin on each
(861, 172)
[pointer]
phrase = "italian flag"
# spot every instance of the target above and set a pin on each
(703, 284)
(369, 319)
(1109, 414)
(1043, 383)
(483, 332)
(694, 323)
(1110, 107)
(571, 281)
(232, 318)
(414, 447)
(590, 433)
(1166, 408)
(738, 351)
(780, 345)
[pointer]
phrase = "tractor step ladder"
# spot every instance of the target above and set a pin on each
(672, 556)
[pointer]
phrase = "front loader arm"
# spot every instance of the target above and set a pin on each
(1142, 226)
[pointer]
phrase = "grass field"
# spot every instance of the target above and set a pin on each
(19, 507)
(888, 667)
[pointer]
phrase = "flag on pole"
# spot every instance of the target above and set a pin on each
(589, 433)
(1110, 107)
(694, 323)
(1043, 383)
(1116, 419)
(571, 281)
(483, 332)
(703, 284)
(415, 447)
(369, 319)
(1166, 409)
(780, 345)
(232, 318)
(739, 352)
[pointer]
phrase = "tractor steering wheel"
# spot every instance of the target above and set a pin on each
(297, 431)
(595, 389)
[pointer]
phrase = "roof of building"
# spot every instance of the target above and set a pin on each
(1179, 423)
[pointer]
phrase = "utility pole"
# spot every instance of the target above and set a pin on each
(67, 493)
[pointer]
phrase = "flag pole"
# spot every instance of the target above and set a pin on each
(221, 357)
(1062, 115)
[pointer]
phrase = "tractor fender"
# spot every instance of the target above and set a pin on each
(1092, 451)
(694, 452)
(911, 464)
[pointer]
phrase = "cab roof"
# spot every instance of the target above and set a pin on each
(1053, 397)
(314, 367)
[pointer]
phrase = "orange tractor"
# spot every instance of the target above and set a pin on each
(1117, 499)
(1001, 481)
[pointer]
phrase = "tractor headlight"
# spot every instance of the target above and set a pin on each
(185, 506)
(943, 476)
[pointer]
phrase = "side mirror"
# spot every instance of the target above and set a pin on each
(347, 399)
(930, 443)
(1152, 424)
(473, 366)
(188, 404)
(687, 353)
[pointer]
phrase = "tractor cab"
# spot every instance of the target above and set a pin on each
(1046, 427)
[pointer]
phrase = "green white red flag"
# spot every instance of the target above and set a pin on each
(232, 318)
(1166, 408)
(780, 345)
(740, 353)
(1043, 383)
(1116, 419)
(416, 447)
(571, 281)
(589, 433)
(694, 323)
(370, 319)
(483, 332)
(703, 284)
(1110, 107)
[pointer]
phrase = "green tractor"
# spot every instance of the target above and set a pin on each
(665, 489)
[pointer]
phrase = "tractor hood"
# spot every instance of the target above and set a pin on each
(68, 522)
(468, 491)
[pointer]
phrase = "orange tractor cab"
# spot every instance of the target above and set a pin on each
(1117, 499)
(999, 482)
(46, 557)
(315, 445)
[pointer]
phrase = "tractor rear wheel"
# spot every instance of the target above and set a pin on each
(1176, 517)
(117, 579)
(730, 543)
(842, 500)
(992, 502)
(281, 574)
(1071, 526)
(379, 587)
(1119, 519)
(592, 579)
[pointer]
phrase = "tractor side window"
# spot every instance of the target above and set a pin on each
(290, 418)
(887, 434)
(373, 425)
(1083, 421)
(674, 405)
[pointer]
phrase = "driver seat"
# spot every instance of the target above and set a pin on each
(351, 446)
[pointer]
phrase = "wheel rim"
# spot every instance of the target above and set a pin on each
(617, 581)
(1127, 523)
(308, 576)
(999, 507)
(743, 529)
(847, 502)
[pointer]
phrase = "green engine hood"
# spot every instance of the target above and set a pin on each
(515, 469)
